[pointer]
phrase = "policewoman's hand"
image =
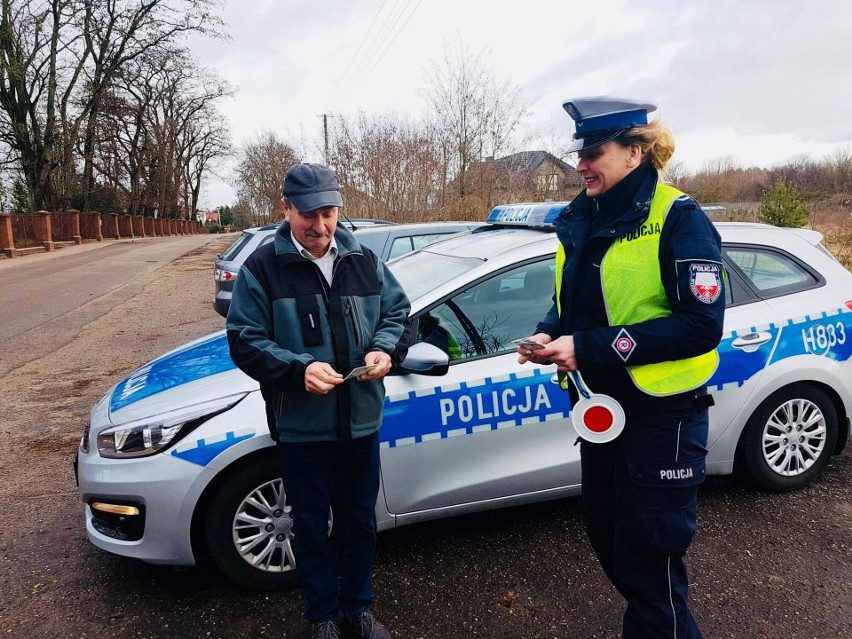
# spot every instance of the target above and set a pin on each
(560, 352)
(528, 355)
(384, 365)
(321, 378)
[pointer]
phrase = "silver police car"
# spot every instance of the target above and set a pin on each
(177, 457)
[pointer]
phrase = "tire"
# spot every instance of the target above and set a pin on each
(248, 527)
(788, 440)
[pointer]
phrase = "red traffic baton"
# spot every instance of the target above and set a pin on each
(596, 418)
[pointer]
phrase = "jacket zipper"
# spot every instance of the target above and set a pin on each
(352, 308)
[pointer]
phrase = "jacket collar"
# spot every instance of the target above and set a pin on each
(574, 224)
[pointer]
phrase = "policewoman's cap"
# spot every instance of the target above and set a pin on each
(604, 118)
(310, 187)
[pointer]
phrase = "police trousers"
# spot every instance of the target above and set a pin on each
(640, 497)
(336, 572)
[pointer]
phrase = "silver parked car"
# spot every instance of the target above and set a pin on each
(178, 457)
(385, 239)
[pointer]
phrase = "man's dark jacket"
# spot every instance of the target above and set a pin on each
(284, 316)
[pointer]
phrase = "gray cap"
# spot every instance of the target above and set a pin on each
(310, 187)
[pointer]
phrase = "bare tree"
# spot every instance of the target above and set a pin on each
(474, 114)
(206, 141)
(158, 133)
(37, 54)
(58, 62)
(841, 165)
(675, 173)
(118, 32)
(260, 171)
(387, 165)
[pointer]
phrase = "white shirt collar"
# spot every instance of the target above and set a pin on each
(332, 249)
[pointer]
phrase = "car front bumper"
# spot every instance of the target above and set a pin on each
(163, 489)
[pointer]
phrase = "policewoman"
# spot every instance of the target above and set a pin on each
(638, 311)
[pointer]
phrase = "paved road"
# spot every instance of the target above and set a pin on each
(45, 300)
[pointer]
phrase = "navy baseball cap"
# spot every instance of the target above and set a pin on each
(310, 187)
(604, 118)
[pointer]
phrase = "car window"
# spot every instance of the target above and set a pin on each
(484, 319)
(736, 290)
(373, 241)
(229, 253)
(770, 272)
(401, 246)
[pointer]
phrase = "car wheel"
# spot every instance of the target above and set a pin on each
(789, 438)
(248, 527)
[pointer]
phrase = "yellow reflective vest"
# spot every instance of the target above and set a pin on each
(634, 293)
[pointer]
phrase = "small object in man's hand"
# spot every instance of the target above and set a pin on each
(360, 370)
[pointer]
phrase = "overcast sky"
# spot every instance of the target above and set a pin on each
(761, 81)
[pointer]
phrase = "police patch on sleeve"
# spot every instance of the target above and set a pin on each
(705, 281)
(624, 344)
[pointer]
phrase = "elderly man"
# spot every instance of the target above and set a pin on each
(307, 310)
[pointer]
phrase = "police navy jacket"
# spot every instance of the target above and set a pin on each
(284, 315)
(586, 229)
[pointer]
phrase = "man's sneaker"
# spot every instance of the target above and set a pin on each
(365, 626)
(325, 630)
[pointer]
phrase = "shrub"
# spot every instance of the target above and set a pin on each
(782, 206)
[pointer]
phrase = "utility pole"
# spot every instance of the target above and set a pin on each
(325, 117)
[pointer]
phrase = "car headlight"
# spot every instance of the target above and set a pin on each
(154, 434)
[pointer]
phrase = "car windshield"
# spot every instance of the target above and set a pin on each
(423, 271)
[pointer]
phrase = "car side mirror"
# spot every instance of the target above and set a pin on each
(425, 359)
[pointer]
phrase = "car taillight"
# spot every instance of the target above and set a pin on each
(222, 275)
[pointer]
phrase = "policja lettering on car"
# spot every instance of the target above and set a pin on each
(488, 405)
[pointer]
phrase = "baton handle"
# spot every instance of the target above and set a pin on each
(580, 384)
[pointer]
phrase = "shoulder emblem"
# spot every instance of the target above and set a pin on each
(705, 281)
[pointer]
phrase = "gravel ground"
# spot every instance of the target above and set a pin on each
(762, 565)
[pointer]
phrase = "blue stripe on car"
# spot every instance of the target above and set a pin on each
(827, 334)
(470, 407)
(202, 451)
(735, 365)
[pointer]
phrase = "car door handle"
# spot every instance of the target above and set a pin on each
(751, 342)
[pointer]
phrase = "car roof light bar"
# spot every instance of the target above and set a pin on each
(527, 214)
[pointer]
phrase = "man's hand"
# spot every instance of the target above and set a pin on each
(321, 378)
(384, 365)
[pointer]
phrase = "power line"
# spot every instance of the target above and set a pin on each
(390, 20)
(363, 40)
(396, 35)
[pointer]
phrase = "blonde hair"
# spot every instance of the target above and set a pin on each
(655, 141)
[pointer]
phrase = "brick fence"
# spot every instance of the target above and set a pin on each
(21, 234)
